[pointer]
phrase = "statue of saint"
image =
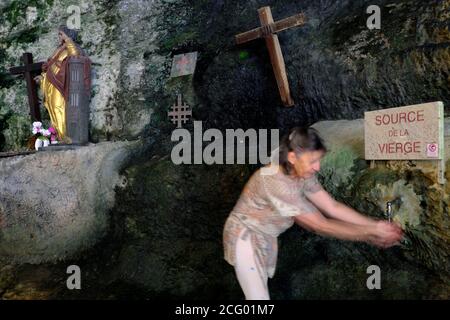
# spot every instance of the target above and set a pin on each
(55, 80)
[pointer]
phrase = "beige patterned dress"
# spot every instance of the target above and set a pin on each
(266, 208)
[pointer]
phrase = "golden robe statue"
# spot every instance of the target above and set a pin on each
(54, 84)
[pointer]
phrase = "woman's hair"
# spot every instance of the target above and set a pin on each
(71, 33)
(299, 140)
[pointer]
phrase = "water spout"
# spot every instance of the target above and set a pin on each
(389, 210)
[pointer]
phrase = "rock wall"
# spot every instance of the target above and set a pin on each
(164, 236)
(419, 202)
(336, 66)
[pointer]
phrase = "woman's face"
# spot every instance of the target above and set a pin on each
(306, 164)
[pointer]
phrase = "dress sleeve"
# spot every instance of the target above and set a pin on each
(287, 199)
(312, 185)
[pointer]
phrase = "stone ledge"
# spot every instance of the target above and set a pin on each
(55, 204)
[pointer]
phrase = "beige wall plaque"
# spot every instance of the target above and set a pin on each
(406, 133)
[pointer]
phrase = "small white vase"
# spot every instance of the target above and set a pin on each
(40, 143)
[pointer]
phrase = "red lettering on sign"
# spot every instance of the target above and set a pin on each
(399, 117)
(402, 116)
(399, 147)
(420, 115)
(378, 120)
(391, 147)
(413, 118)
(416, 146)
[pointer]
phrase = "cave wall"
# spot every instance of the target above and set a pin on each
(165, 231)
(336, 66)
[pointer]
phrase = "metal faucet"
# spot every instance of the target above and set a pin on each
(389, 210)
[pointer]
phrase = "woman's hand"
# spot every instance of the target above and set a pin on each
(385, 234)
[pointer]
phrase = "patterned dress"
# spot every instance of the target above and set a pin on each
(266, 208)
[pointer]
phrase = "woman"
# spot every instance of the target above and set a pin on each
(271, 203)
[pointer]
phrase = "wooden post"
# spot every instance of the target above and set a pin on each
(441, 171)
(29, 70)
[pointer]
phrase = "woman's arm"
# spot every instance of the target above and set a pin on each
(381, 233)
(336, 210)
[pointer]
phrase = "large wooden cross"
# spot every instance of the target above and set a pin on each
(30, 70)
(268, 30)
